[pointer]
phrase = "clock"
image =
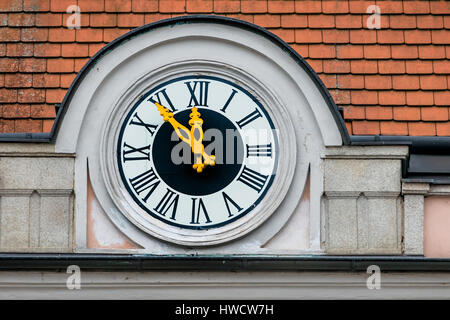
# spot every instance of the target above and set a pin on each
(197, 152)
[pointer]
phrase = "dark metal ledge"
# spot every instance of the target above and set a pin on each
(113, 262)
(26, 137)
(417, 144)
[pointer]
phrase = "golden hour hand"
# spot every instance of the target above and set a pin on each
(193, 138)
(182, 132)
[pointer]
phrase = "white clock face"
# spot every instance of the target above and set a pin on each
(161, 151)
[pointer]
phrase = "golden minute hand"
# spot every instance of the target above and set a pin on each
(182, 132)
(196, 131)
(197, 142)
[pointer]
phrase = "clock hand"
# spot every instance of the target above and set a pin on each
(196, 130)
(197, 146)
(193, 138)
(182, 132)
(197, 138)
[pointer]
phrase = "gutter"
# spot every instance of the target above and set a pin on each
(30, 137)
(26, 137)
(114, 262)
(417, 144)
(428, 158)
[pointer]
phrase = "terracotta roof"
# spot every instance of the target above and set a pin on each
(392, 81)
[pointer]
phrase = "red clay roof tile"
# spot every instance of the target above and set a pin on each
(392, 81)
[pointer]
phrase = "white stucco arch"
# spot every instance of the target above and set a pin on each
(258, 53)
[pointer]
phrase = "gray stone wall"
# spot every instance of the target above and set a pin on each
(36, 199)
(362, 201)
(364, 210)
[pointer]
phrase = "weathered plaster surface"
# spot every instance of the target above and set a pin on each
(437, 227)
(101, 232)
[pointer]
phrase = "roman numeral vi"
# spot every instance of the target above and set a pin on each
(196, 213)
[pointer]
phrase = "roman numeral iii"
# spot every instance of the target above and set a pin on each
(145, 181)
(262, 150)
(199, 93)
(253, 179)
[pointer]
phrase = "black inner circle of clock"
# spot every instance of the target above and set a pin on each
(173, 159)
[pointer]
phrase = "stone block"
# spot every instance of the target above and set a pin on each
(36, 173)
(36, 205)
(414, 216)
(55, 221)
(342, 225)
(362, 223)
(14, 224)
(362, 175)
(383, 227)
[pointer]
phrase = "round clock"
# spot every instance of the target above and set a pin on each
(197, 152)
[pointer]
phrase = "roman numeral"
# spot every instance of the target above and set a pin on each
(163, 99)
(227, 199)
(252, 179)
(249, 118)
(196, 213)
(145, 181)
(199, 97)
(170, 200)
(262, 150)
(138, 122)
(228, 101)
(133, 153)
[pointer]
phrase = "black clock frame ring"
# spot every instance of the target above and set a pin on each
(143, 98)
